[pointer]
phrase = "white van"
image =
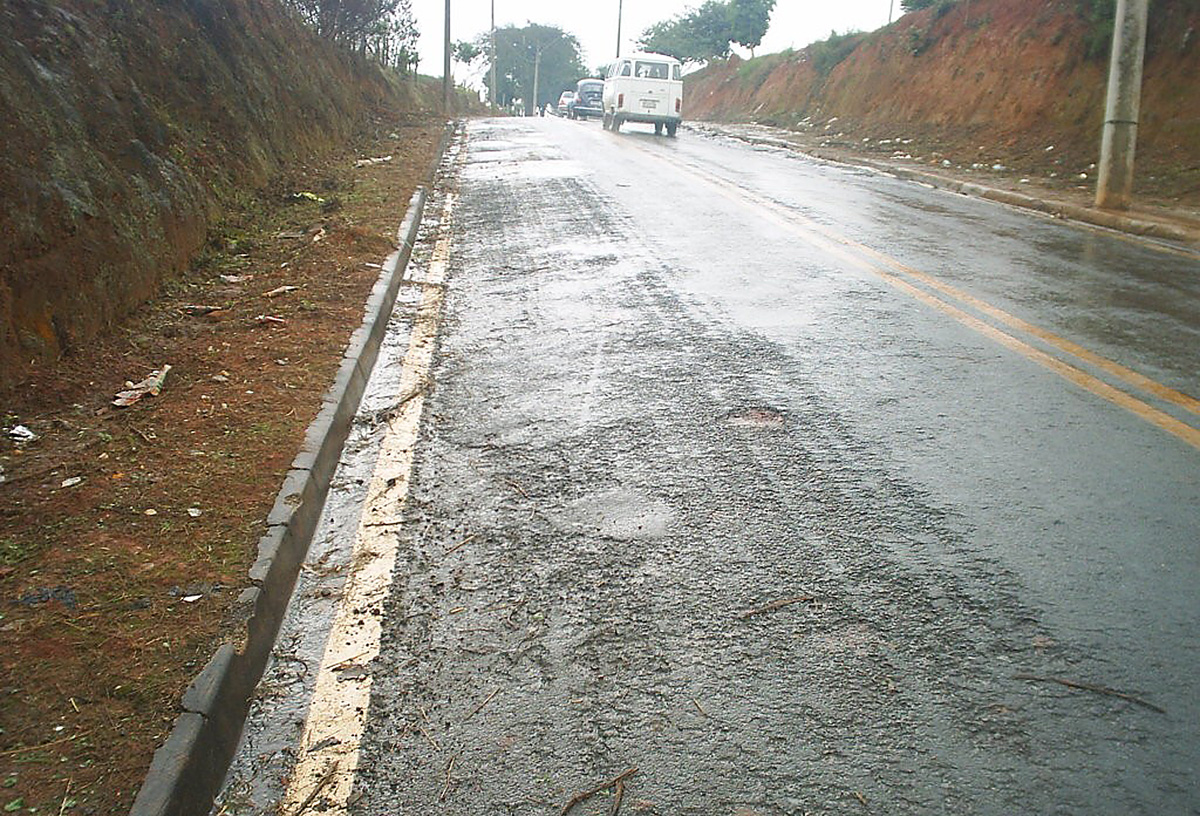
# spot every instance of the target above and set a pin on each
(644, 87)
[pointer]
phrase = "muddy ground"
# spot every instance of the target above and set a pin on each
(125, 533)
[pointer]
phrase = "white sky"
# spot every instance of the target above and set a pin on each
(794, 23)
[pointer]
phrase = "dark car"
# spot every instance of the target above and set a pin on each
(589, 95)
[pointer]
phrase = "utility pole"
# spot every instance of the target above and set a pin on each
(537, 64)
(619, 2)
(1114, 188)
(891, 6)
(446, 63)
(493, 72)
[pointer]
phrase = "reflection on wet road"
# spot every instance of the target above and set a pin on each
(798, 489)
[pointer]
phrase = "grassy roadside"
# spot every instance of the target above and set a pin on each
(125, 533)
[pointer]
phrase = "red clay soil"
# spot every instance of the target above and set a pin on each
(126, 534)
(986, 82)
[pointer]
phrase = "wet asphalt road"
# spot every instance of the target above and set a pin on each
(701, 489)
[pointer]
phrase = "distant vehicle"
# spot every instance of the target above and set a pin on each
(644, 87)
(564, 101)
(589, 99)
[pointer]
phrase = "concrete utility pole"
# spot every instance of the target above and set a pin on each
(1114, 188)
(446, 64)
(619, 29)
(493, 60)
(537, 65)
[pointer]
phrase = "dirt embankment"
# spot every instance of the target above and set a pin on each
(128, 126)
(1014, 77)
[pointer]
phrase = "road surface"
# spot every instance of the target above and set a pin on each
(796, 488)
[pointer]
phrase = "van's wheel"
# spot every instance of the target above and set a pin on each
(658, 128)
(671, 128)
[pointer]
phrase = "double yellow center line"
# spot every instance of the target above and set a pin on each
(950, 300)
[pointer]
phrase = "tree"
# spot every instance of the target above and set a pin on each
(696, 36)
(553, 52)
(917, 5)
(749, 20)
(384, 29)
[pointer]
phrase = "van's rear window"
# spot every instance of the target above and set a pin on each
(651, 70)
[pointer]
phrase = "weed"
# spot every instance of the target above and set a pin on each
(13, 551)
(827, 53)
(1099, 15)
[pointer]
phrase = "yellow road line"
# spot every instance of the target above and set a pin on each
(329, 747)
(838, 245)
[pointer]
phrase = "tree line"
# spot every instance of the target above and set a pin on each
(708, 32)
(381, 29)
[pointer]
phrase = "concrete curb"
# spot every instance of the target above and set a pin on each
(1057, 209)
(187, 771)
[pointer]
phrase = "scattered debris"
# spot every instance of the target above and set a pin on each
(773, 605)
(281, 290)
(236, 278)
(1074, 684)
(368, 162)
(269, 319)
(20, 434)
(198, 310)
(330, 773)
(151, 386)
(307, 196)
(71, 482)
(150, 511)
(618, 782)
(479, 707)
(195, 512)
(449, 770)
(293, 235)
(221, 378)
(191, 598)
(462, 543)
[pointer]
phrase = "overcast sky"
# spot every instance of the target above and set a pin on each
(795, 23)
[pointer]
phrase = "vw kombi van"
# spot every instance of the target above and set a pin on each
(644, 87)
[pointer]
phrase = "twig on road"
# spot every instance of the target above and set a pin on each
(617, 797)
(330, 772)
(432, 741)
(462, 543)
(516, 487)
(479, 707)
(619, 781)
(773, 605)
(449, 770)
(1075, 684)
(696, 703)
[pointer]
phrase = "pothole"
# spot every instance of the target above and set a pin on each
(756, 418)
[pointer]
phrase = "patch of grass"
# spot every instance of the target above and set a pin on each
(1100, 16)
(13, 551)
(828, 53)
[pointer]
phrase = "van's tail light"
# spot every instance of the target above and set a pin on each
(678, 105)
(620, 100)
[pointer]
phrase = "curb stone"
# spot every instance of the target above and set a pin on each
(188, 769)
(1057, 209)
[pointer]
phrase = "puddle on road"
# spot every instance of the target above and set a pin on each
(529, 167)
(622, 514)
(756, 418)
